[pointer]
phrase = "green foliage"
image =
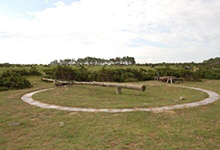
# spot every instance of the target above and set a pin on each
(132, 74)
(212, 61)
(208, 73)
(148, 74)
(82, 74)
(188, 74)
(68, 73)
(96, 61)
(3, 88)
(13, 80)
(5, 65)
(49, 73)
(32, 72)
(64, 73)
(103, 75)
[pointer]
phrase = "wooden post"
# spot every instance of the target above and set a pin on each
(183, 80)
(118, 90)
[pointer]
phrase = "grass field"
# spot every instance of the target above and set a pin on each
(28, 127)
(157, 94)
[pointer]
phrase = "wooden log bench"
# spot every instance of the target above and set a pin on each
(118, 86)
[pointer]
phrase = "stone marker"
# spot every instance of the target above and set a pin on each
(182, 98)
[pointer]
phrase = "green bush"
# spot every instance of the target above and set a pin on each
(22, 72)
(82, 74)
(50, 73)
(64, 73)
(32, 72)
(189, 75)
(148, 74)
(130, 75)
(68, 73)
(3, 88)
(13, 80)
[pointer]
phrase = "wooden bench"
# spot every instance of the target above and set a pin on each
(168, 79)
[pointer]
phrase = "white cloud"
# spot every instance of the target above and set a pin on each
(151, 31)
(19, 14)
(58, 4)
(31, 13)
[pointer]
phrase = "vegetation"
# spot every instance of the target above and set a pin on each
(67, 73)
(118, 73)
(28, 127)
(13, 80)
(96, 61)
(31, 72)
(190, 71)
(212, 61)
(129, 75)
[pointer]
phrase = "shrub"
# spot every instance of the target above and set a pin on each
(3, 88)
(82, 74)
(148, 74)
(13, 80)
(130, 75)
(64, 73)
(120, 75)
(49, 73)
(179, 72)
(32, 72)
(22, 72)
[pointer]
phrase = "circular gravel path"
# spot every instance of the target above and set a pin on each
(213, 96)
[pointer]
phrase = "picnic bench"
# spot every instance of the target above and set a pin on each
(168, 79)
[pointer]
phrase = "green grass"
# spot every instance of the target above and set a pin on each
(157, 94)
(194, 128)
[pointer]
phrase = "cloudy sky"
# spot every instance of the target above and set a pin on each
(39, 31)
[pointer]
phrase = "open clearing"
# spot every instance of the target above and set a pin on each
(104, 97)
(28, 127)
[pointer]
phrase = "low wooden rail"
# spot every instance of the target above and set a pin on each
(104, 84)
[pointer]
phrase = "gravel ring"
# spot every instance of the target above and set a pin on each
(213, 96)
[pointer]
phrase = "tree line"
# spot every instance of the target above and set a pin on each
(213, 62)
(96, 61)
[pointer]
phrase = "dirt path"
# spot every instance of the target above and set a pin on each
(213, 96)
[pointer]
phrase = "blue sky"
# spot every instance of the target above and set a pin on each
(19, 8)
(151, 31)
